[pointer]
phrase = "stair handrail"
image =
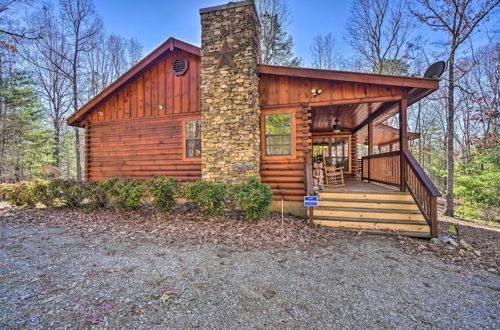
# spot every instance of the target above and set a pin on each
(427, 207)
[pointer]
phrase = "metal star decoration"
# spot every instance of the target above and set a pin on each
(225, 56)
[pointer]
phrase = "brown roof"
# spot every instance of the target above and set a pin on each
(360, 77)
(384, 134)
(168, 45)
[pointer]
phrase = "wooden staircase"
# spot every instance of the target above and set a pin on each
(380, 213)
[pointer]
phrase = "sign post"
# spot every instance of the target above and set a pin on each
(310, 202)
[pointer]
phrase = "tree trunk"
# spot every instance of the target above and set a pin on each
(450, 134)
(57, 142)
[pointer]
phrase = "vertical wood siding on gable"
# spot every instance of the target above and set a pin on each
(155, 92)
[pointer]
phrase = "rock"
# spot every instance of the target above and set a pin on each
(444, 239)
(436, 241)
(453, 243)
(466, 245)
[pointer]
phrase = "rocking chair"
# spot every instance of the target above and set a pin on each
(334, 176)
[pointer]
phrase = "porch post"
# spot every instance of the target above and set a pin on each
(403, 140)
(370, 149)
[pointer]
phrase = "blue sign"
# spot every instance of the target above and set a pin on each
(310, 201)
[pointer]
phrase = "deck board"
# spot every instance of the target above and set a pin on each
(356, 185)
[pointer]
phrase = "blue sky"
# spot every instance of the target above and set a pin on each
(153, 21)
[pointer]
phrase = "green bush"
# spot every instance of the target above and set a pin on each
(126, 194)
(477, 185)
(70, 192)
(20, 194)
(46, 192)
(96, 193)
(254, 198)
(208, 196)
(163, 190)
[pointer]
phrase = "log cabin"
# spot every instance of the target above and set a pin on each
(217, 113)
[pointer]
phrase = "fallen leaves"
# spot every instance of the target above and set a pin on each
(230, 230)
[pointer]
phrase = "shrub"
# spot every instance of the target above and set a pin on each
(208, 196)
(254, 198)
(45, 192)
(96, 193)
(20, 194)
(163, 190)
(70, 192)
(126, 194)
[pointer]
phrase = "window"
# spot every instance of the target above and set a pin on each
(334, 150)
(278, 134)
(193, 139)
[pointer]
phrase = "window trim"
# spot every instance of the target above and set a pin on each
(184, 138)
(263, 115)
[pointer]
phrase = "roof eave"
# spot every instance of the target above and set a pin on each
(359, 77)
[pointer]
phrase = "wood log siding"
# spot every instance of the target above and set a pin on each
(277, 90)
(139, 148)
(157, 91)
(285, 174)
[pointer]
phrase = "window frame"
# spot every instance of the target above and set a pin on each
(185, 139)
(293, 133)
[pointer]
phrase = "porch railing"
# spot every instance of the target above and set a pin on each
(423, 190)
(386, 168)
(383, 168)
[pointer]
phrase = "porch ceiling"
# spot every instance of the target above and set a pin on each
(349, 115)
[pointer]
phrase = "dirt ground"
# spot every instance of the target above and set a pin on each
(67, 269)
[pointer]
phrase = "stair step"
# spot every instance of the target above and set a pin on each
(368, 200)
(392, 196)
(401, 221)
(361, 209)
(387, 232)
(370, 225)
(371, 213)
(368, 203)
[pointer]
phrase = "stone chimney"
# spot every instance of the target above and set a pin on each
(230, 113)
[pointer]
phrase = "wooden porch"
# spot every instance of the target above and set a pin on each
(392, 195)
(353, 184)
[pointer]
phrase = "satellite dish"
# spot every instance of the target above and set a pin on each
(435, 70)
(52, 171)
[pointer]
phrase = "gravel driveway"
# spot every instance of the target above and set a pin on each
(56, 278)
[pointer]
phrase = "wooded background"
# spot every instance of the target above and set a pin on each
(56, 56)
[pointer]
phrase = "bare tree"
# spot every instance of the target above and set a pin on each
(82, 26)
(275, 42)
(133, 51)
(111, 57)
(458, 19)
(324, 52)
(47, 58)
(378, 31)
(11, 33)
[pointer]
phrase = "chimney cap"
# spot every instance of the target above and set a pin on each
(233, 4)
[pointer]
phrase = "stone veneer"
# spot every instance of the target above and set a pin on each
(230, 113)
